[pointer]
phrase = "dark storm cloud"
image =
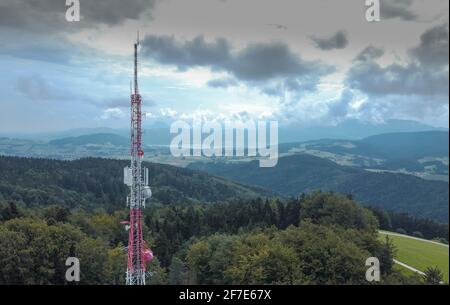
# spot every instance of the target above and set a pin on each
(113, 12)
(254, 64)
(336, 41)
(49, 15)
(340, 107)
(33, 16)
(433, 48)
(390, 9)
(264, 61)
(222, 82)
(374, 79)
(197, 52)
(369, 53)
(426, 74)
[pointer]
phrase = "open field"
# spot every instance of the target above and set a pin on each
(420, 253)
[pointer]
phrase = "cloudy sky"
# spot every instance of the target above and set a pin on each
(311, 62)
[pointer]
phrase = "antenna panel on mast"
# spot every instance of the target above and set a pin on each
(127, 176)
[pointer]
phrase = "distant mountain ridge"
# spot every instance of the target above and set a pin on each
(98, 139)
(411, 145)
(390, 146)
(350, 129)
(158, 133)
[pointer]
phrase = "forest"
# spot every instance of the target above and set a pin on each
(322, 238)
(197, 237)
(93, 183)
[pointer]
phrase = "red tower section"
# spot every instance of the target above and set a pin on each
(136, 177)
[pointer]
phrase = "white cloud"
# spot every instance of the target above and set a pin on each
(168, 112)
(112, 113)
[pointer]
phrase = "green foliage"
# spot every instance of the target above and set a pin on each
(178, 272)
(409, 224)
(398, 277)
(42, 250)
(10, 211)
(260, 259)
(116, 260)
(56, 213)
(15, 258)
(325, 257)
(417, 234)
(322, 250)
(433, 276)
(386, 256)
(309, 254)
(326, 208)
(401, 231)
(158, 274)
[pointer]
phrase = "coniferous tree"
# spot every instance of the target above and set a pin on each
(433, 276)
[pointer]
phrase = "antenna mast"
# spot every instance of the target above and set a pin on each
(136, 177)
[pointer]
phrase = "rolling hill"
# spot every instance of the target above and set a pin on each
(424, 154)
(385, 146)
(98, 183)
(305, 173)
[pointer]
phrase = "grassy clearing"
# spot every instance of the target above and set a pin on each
(419, 253)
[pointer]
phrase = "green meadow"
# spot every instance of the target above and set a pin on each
(420, 253)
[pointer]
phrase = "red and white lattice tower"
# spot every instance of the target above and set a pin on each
(136, 177)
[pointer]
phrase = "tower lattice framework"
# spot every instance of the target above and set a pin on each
(136, 177)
